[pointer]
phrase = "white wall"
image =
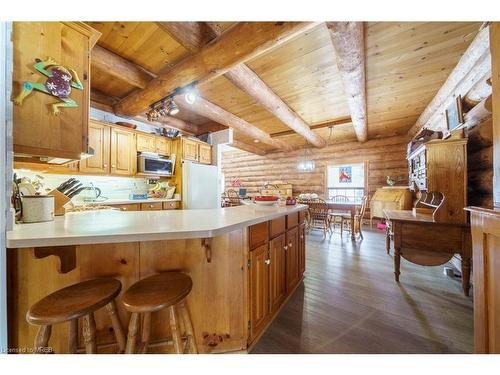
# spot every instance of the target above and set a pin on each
(5, 168)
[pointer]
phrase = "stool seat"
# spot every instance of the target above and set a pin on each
(157, 292)
(74, 301)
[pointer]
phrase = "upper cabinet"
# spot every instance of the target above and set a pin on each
(123, 152)
(99, 144)
(151, 143)
(51, 88)
(193, 150)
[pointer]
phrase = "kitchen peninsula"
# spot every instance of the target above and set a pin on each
(244, 262)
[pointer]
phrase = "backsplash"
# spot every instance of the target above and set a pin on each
(111, 187)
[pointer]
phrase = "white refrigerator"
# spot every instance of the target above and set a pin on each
(200, 186)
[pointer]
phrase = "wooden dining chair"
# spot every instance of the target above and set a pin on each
(319, 216)
(337, 216)
(358, 219)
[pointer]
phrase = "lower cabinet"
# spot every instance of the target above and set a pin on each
(277, 272)
(276, 264)
(292, 258)
(259, 291)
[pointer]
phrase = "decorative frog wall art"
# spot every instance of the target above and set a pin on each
(59, 83)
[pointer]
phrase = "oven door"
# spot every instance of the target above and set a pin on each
(156, 166)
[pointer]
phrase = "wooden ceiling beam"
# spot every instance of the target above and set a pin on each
(191, 35)
(215, 113)
(248, 81)
(348, 42)
(248, 148)
(470, 68)
(243, 42)
(340, 121)
(120, 68)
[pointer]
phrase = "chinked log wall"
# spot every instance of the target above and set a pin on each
(480, 165)
(387, 157)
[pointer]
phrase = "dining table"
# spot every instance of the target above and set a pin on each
(345, 206)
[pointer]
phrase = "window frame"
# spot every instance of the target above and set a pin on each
(365, 163)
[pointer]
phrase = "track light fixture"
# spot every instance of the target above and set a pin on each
(167, 106)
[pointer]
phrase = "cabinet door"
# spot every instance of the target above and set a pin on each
(145, 143)
(292, 258)
(37, 130)
(259, 289)
(189, 150)
(302, 249)
(123, 152)
(99, 142)
(205, 153)
(163, 146)
(155, 206)
(277, 272)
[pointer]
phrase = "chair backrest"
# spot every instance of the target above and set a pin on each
(431, 202)
(318, 209)
(362, 210)
(340, 198)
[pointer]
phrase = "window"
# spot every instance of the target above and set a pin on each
(346, 180)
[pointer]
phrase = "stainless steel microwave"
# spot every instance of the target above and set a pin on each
(155, 164)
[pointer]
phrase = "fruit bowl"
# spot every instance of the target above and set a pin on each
(266, 200)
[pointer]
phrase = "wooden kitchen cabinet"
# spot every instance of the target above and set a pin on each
(172, 205)
(163, 146)
(37, 131)
(154, 206)
(277, 272)
(259, 290)
(189, 150)
(146, 143)
(123, 152)
(204, 153)
(292, 258)
(127, 207)
(302, 249)
(99, 143)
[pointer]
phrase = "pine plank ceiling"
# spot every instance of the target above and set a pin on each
(406, 64)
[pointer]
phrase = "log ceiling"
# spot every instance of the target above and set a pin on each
(290, 86)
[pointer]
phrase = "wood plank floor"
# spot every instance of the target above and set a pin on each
(350, 303)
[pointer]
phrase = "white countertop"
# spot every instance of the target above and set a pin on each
(110, 226)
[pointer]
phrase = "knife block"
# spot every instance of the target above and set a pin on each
(60, 200)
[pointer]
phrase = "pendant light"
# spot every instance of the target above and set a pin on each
(307, 164)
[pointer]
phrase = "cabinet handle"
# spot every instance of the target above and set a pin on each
(286, 247)
(151, 206)
(124, 208)
(105, 165)
(301, 237)
(113, 166)
(290, 244)
(267, 262)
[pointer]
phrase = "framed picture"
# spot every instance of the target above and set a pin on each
(345, 175)
(454, 114)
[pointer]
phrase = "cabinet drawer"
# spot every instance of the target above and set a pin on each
(170, 205)
(292, 220)
(277, 226)
(258, 234)
(156, 206)
(128, 207)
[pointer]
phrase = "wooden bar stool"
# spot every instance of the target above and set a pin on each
(155, 293)
(73, 302)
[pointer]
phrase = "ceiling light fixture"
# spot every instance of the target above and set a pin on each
(190, 97)
(307, 164)
(167, 106)
(174, 109)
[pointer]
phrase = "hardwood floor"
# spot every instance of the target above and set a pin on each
(350, 303)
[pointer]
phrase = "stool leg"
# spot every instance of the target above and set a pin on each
(42, 338)
(73, 336)
(193, 349)
(176, 337)
(117, 326)
(146, 332)
(89, 333)
(132, 333)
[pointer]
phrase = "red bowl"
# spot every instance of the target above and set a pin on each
(266, 198)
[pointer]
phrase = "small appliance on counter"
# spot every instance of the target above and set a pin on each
(151, 163)
(37, 208)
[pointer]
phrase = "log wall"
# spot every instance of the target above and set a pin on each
(385, 157)
(480, 165)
